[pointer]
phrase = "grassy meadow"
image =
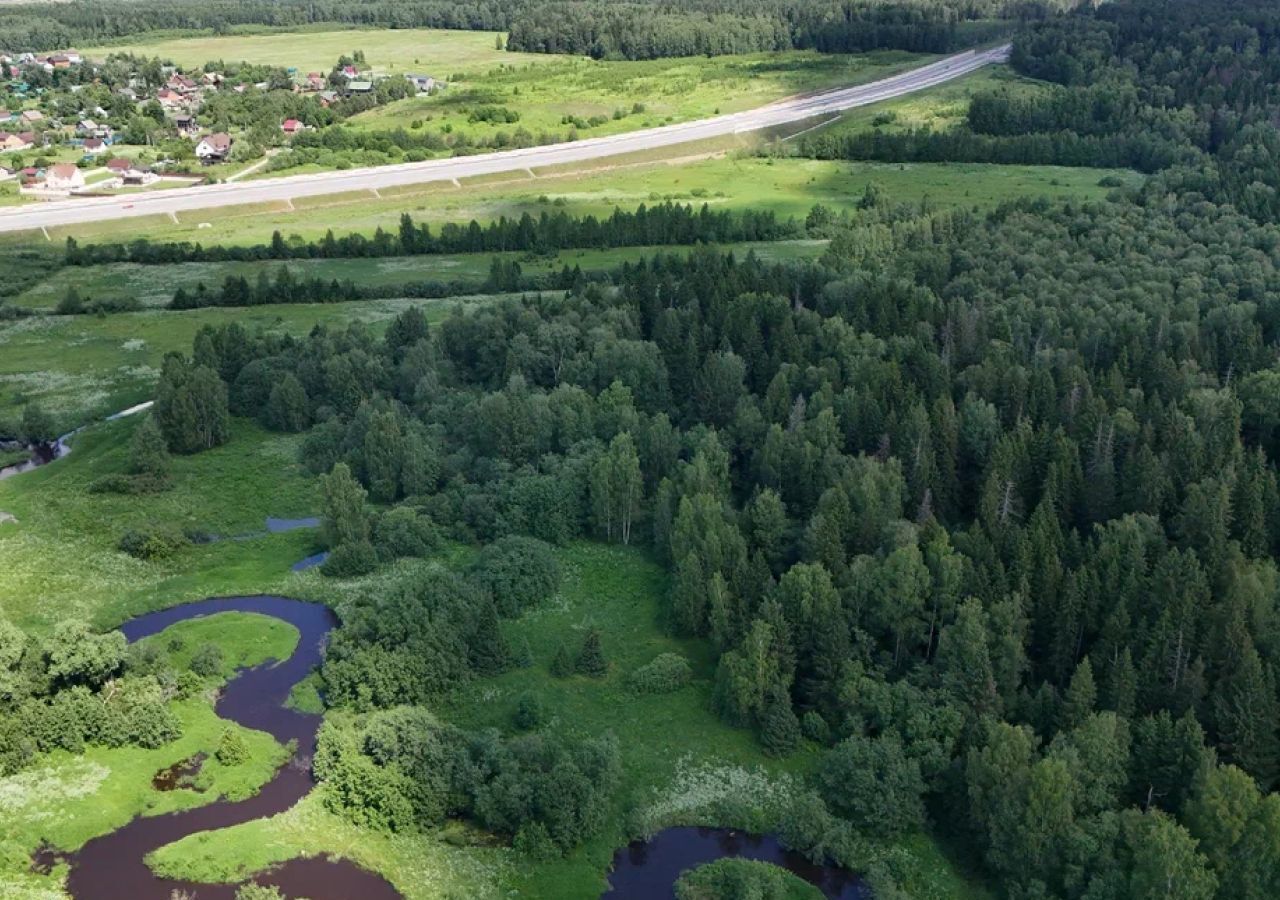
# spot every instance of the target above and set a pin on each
(82, 368)
(549, 97)
(388, 51)
(726, 180)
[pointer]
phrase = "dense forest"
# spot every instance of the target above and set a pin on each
(634, 29)
(984, 508)
(1186, 89)
(988, 520)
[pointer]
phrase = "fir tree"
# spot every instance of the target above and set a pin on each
(562, 663)
(779, 727)
(591, 660)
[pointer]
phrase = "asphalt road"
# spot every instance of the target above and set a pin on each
(795, 109)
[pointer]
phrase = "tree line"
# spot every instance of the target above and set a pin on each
(666, 223)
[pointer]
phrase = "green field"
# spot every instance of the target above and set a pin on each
(388, 51)
(154, 286)
(789, 187)
(669, 90)
(85, 367)
(939, 108)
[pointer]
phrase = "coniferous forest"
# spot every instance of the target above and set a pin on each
(984, 506)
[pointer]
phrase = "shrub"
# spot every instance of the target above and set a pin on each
(733, 879)
(533, 841)
(530, 713)
(873, 783)
(153, 545)
(350, 560)
(519, 572)
(562, 662)
(207, 661)
(253, 891)
(591, 660)
(815, 728)
(666, 673)
(232, 750)
(402, 532)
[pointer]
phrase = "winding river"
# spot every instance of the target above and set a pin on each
(113, 866)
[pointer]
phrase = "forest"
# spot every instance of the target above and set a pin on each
(978, 511)
(991, 524)
(631, 29)
(1187, 90)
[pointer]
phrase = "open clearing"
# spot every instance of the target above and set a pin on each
(789, 187)
(388, 51)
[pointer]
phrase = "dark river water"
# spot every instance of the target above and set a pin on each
(648, 870)
(111, 867)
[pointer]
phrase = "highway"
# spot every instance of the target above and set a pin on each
(292, 187)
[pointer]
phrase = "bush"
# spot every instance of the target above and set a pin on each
(533, 842)
(530, 713)
(734, 879)
(666, 673)
(519, 572)
(232, 750)
(402, 532)
(253, 891)
(815, 728)
(207, 661)
(119, 483)
(562, 662)
(350, 560)
(873, 783)
(591, 660)
(154, 545)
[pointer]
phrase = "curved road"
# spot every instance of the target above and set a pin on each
(795, 109)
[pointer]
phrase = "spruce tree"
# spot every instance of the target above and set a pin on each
(562, 662)
(591, 660)
(489, 653)
(779, 727)
(1081, 698)
(148, 453)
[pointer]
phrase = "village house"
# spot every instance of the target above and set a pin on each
(359, 87)
(130, 173)
(186, 125)
(316, 81)
(291, 126)
(170, 99)
(423, 84)
(30, 116)
(181, 84)
(63, 177)
(211, 79)
(88, 128)
(10, 141)
(94, 146)
(350, 72)
(328, 98)
(214, 147)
